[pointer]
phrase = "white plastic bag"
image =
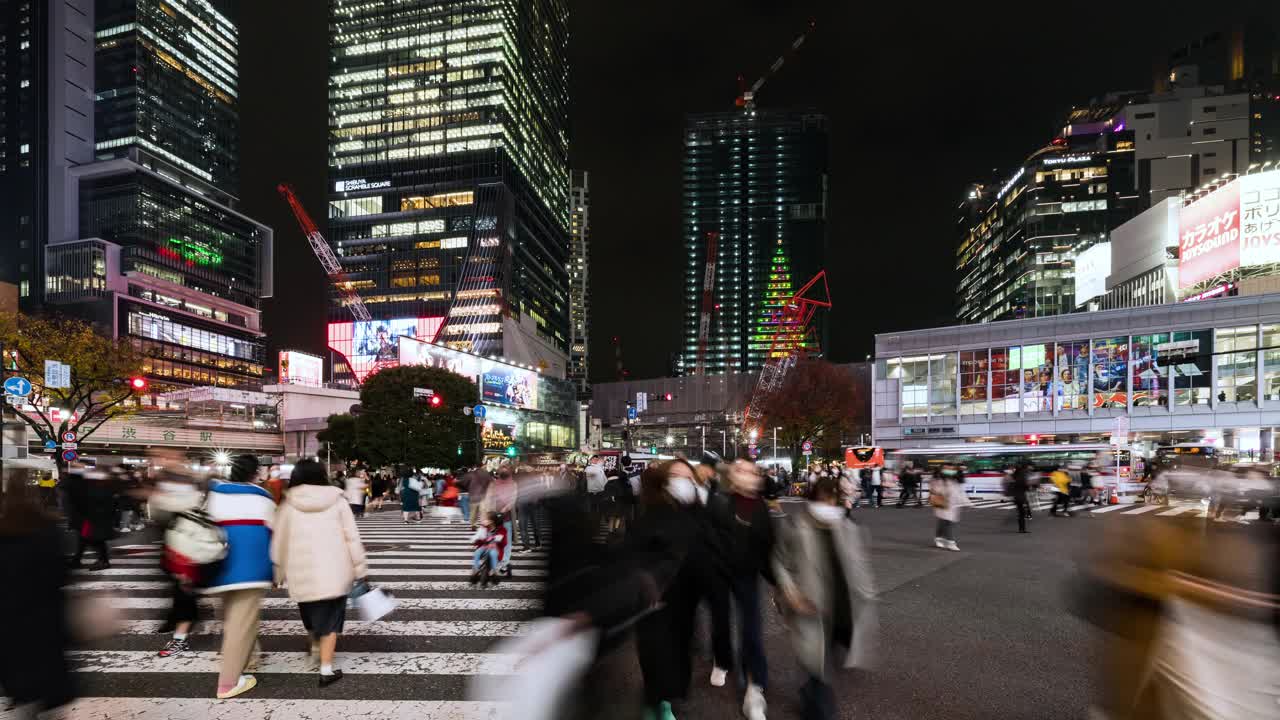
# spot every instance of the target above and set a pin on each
(551, 662)
(372, 603)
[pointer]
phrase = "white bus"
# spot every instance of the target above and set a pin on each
(985, 464)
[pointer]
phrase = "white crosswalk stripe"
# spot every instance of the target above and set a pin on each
(442, 627)
(1183, 510)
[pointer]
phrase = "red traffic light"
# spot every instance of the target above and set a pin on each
(138, 383)
(668, 397)
(436, 400)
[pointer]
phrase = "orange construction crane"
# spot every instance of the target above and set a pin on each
(325, 255)
(708, 301)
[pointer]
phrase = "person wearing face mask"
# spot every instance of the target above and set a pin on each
(946, 495)
(825, 580)
(707, 572)
(658, 545)
(749, 549)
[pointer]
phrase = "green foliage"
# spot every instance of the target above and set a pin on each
(100, 369)
(342, 438)
(393, 429)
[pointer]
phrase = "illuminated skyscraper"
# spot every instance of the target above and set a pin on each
(449, 174)
(756, 180)
(579, 286)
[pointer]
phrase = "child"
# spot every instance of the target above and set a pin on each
(490, 539)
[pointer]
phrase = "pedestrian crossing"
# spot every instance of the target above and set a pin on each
(1182, 509)
(416, 663)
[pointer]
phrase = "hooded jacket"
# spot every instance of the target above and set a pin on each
(246, 512)
(316, 548)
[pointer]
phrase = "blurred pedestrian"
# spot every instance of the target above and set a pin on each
(864, 480)
(410, 498)
(477, 486)
(706, 571)
(824, 578)
(245, 510)
(529, 492)
(33, 665)
(596, 482)
(1019, 486)
(1061, 492)
(501, 499)
(909, 485)
(877, 486)
(92, 499)
(355, 487)
(317, 553)
(946, 495)
(659, 543)
(490, 541)
(750, 550)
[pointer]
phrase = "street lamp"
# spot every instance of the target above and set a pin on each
(670, 440)
(775, 445)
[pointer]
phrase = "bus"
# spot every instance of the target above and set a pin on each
(1200, 455)
(985, 464)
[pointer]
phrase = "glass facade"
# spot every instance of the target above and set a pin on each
(757, 181)
(1152, 372)
(449, 153)
(579, 285)
(167, 82)
(1021, 232)
(185, 351)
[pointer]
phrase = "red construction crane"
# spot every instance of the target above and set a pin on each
(791, 339)
(708, 301)
(325, 255)
(747, 98)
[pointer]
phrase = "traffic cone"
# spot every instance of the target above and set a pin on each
(1115, 498)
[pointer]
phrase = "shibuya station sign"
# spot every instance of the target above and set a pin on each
(1237, 225)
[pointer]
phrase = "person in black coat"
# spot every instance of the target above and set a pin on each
(92, 497)
(33, 666)
(706, 572)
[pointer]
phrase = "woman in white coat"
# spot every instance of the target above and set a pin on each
(946, 495)
(317, 553)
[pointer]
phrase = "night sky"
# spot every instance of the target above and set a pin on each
(921, 103)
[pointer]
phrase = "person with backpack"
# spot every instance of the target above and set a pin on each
(317, 553)
(245, 511)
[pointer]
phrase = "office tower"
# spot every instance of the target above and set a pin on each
(1243, 56)
(157, 251)
(46, 127)
(1020, 235)
(755, 189)
(449, 176)
(579, 286)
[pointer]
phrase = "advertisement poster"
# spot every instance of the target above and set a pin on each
(510, 386)
(417, 352)
(1209, 236)
(1092, 268)
(300, 369)
(497, 438)
(373, 345)
(1260, 219)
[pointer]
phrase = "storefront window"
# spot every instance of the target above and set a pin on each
(973, 382)
(1236, 352)
(912, 375)
(1271, 361)
(1186, 361)
(1006, 379)
(1150, 384)
(1072, 380)
(1111, 372)
(1037, 378)
(942, 384)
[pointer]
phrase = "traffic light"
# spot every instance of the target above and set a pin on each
(668, 397)
(435, 401)
(138, 384)
(511, 451)
(459, 448)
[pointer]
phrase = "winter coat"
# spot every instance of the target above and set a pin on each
(33, 665)
(501, 497)
(316, 549)
(747, 530)
(409, 498)
(802, 565)
(92, 497)
(354, 488)
(245, 512)
(953, 492)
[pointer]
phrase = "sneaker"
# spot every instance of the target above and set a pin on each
(753, 705)
(939, 543)
(718, 676)
(327, 680)
(475, 577)
(174, 647)
(246, 683)
(951, 545)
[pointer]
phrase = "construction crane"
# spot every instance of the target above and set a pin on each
(747, 99)
(325, 255)
(791, 338)
(708, 301)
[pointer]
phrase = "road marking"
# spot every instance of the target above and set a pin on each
(424, 585)
(416, 628)
(534, 555)
(1109, 508)
(1149, 507)
(151, 708)
(1181, 510)
(146, 603)
(363, 663)
(375, 562)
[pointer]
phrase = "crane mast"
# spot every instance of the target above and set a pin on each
(708, 301)
(791, 339)
(325, 255)
(747, 99)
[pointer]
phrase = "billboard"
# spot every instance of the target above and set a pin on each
(1092, 268)
(371, 345)
(1209, 236)
(501, 383)
(300, 369)
(1260, 219)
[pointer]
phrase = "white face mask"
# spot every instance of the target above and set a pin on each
(825, 513)
(683, 490)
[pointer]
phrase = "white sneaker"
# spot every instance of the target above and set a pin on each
(718, 676)
(951, 545)
(753, 705)
(940, 543)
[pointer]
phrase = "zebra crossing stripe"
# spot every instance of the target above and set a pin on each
(163, 603)
(419, 628)
(376, 562)
(1110, 508)
(1180, 511)
(373, 571)
(432, 586)
(534, 555)
(352, 663)
(149, 708)
(1145, 508)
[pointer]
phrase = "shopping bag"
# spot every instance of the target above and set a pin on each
(550, 661)
(371, 603)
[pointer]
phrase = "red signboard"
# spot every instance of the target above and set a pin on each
(1209, 236)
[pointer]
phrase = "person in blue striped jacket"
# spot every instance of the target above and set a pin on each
(244, 509)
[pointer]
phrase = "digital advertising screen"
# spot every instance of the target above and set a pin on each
(298, 368)
(1209, 236)
(510, 386)
(500, 383)
(1260, 219)
(373, 345)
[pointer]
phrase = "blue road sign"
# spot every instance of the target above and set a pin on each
(17, 386)
(631, 413)
(50, 445)
(70, 455)
(479, 411)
